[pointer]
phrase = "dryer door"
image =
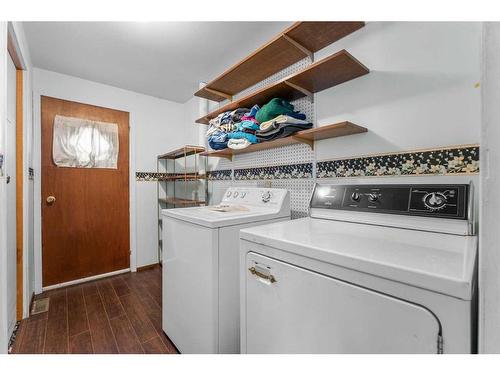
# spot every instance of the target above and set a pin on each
(292, 310)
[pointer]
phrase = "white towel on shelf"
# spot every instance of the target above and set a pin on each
(238, 143)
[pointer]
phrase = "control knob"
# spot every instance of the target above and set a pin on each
(355, 197)
(235, 194)
(228, 194)
(266, 197)
(435, 201)
(373, 197)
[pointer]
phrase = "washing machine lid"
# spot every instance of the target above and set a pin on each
(442, 263)
(239, 205)
(222, 215)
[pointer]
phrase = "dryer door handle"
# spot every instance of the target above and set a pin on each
(267, 277)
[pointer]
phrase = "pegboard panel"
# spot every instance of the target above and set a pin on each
(293, 154)
(306, 106)
(300, 194)
(215, 164)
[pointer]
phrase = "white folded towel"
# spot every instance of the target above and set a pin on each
(238, 143)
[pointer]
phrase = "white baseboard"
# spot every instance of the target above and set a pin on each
(85, 279)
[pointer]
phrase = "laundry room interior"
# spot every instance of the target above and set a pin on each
(252, 186)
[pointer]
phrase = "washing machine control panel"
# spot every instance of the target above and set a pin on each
(447, 201)
(265, 197)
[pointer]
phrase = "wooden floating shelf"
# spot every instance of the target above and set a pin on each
(300, 40)
(308, 136)
(180, 201)
(182, 152)
(328, 72)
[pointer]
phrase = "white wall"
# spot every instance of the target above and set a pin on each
(420, 91)
(489, 253)
(156, 126)
(191, 114)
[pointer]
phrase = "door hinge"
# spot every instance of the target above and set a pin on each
(440, 349)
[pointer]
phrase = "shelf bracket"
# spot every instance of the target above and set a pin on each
(228, 157)
(306, 92)
(219, 155)
(309, 142)
(298, 46)
(205, 120)
(220, 93)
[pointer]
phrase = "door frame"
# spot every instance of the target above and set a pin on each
(20, 185)
(22, 179)
(37, 202)
(10, 48)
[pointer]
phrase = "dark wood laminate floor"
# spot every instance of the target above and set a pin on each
(119, 314)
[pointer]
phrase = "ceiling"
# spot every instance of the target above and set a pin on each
(161, 59)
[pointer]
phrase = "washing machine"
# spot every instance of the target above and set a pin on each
(200, 311)
(374, 269)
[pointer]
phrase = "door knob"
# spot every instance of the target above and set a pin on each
(51, 199)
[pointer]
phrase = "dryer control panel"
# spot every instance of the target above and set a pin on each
(445, 201)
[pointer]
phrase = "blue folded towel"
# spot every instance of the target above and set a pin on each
(237, 135)
(247, 124)
(218, 140)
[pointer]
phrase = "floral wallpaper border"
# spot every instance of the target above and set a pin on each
(442, 161)
(151, 176)
(290, 171)
(220, 175)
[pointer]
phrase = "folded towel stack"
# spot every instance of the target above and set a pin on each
(222, 125)
(242, 127)
(244, 134)
(279, 127)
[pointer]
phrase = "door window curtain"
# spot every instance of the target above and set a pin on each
(81, 143)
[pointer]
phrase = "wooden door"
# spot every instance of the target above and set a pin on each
(85, 231)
